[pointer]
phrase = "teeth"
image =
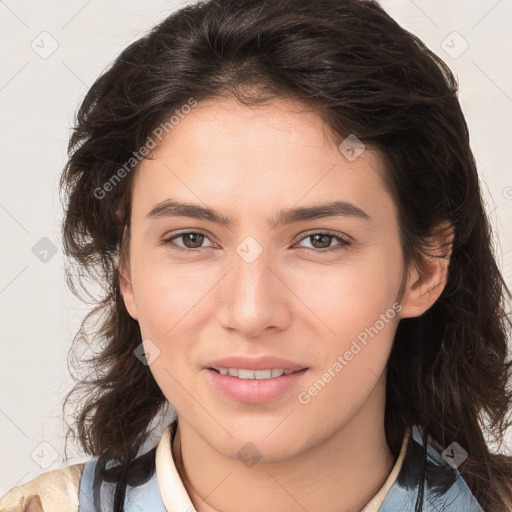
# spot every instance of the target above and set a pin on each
(243, 373)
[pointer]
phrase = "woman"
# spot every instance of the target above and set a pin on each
(282, 201)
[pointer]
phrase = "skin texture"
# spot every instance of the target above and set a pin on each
(248, 163)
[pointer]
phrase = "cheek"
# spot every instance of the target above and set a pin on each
(168, 295)
(359, 315)
(171, 301)
(352, 295)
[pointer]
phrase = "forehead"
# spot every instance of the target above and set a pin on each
(225, 152)
(282, 127)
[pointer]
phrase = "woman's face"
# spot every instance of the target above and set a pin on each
(317, 290)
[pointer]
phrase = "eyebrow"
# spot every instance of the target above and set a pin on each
(173, 208)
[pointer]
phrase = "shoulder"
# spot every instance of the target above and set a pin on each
(55, 491)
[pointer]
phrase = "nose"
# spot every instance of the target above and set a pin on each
(254, 298)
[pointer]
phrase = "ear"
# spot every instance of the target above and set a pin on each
(423, 287)
(125, 282)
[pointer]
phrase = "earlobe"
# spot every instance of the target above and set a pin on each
(424, 286)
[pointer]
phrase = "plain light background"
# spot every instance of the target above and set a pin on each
(39, 94)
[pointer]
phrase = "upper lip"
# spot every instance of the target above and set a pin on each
(255, 363)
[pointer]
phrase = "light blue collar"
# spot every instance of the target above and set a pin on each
(444, 488)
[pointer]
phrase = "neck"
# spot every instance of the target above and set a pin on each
(340, 474)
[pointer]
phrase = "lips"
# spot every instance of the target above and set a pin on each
(255, 391)
(265, 362)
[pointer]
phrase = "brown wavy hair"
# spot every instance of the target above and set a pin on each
(365, 75)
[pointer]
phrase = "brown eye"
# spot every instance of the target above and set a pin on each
(192, 241)
(322, 242)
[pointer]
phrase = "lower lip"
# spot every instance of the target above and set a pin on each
(255, 391)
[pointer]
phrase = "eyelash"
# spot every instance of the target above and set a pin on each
(343, 242)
